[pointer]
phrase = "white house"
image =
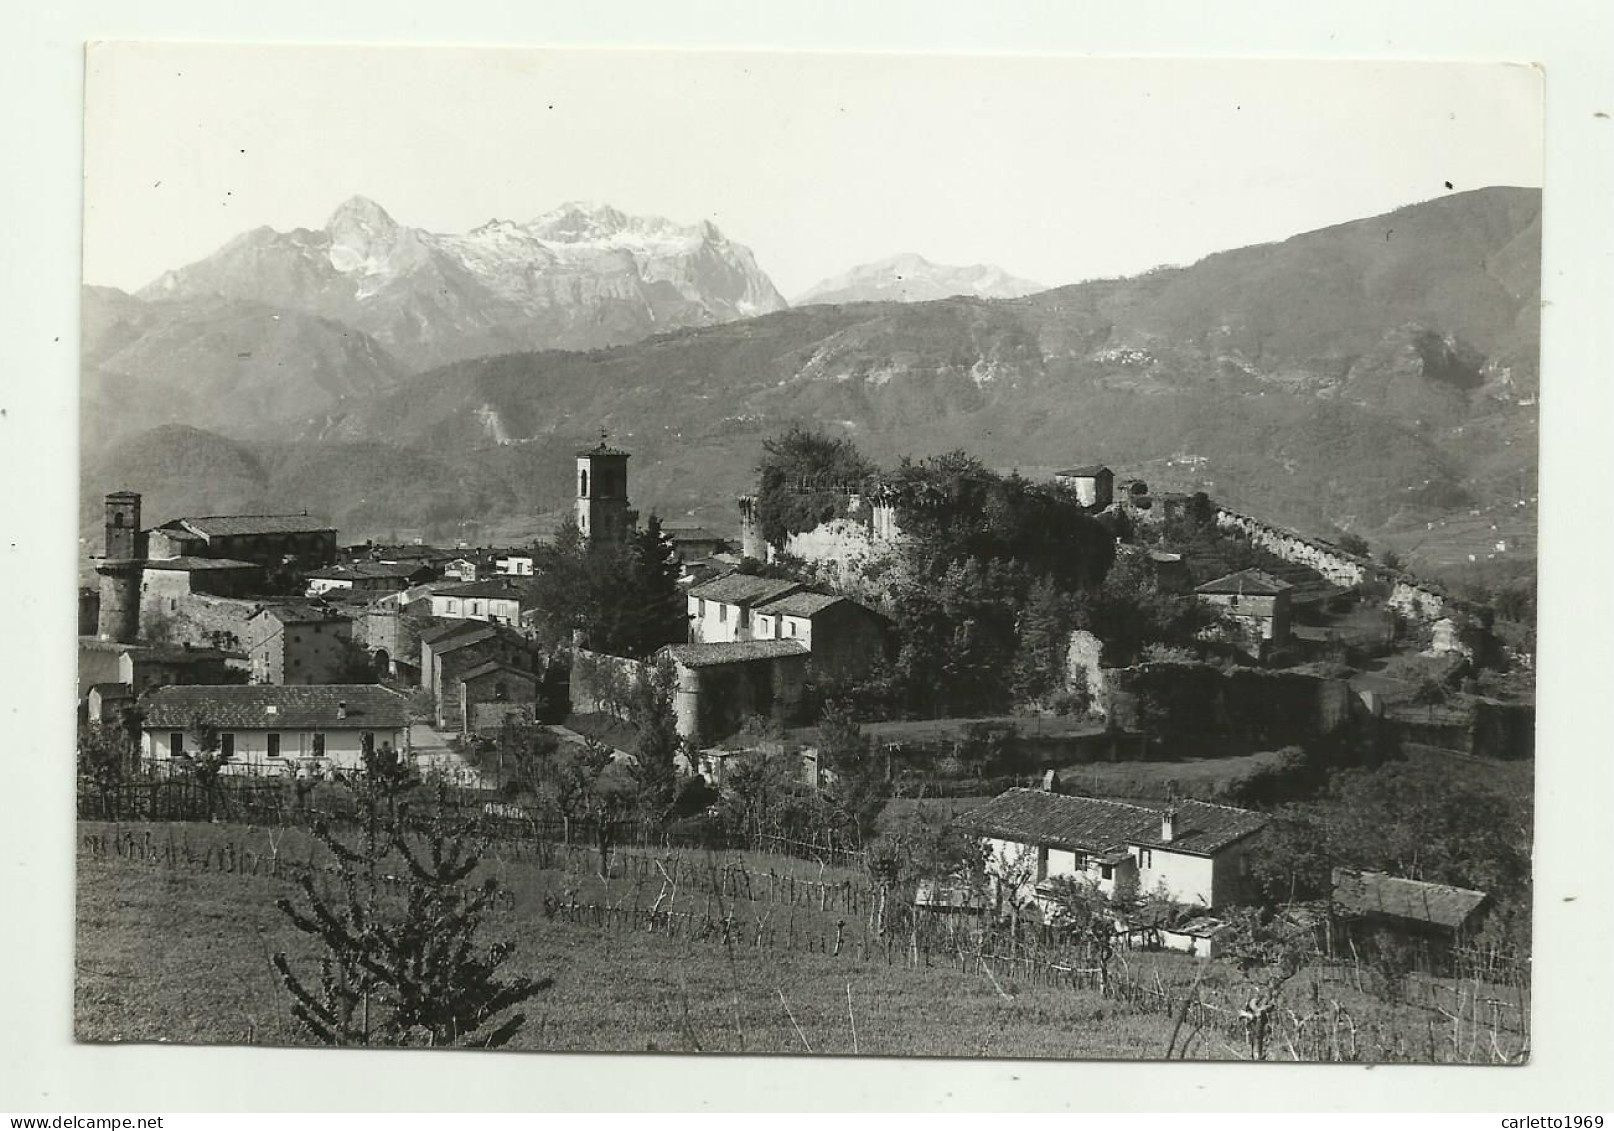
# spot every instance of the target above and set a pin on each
(513, 565)
(263, 727)
(497, 600)
(720, 609)
(1191, 852)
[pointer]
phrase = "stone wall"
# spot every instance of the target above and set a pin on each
(215, 622)
(1083, 667)
(1337, 565)
(601, 683)
(1188, 701)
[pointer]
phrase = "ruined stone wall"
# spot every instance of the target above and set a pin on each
(845, 549)
(1187, 701)
(206, 621)
(1337, 565)
(1083, 666)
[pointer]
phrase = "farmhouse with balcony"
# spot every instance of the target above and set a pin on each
(298, 643)
(1190, 852)
(270, 726)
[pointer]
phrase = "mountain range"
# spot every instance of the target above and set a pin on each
(1378, 376)
(581, 276)
(913, 278)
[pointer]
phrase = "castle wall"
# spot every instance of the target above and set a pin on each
(1337, 565)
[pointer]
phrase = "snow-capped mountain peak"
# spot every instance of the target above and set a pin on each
(580, 276)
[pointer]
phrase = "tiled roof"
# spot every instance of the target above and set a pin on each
(744, 589)
(1084, 471)
(455, 643)
(801, 604)
(312, 706)
(491, 588)
(1095, 825)
(739, 652)
(300, 612)
(189, 564)
(1247, 583)
(488, 667)
(226, 525)
(177, 654)
(1374, 893)
(359, 570)
(112, 690)
(436, 632)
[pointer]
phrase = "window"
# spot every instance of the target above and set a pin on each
(274, 746)
(117, 519)
(176, 744)
(1042, 864)
(722, 613)
(318, 749)
(582, 484)
(790, 628)
(227, 745)
(1106, 872)
(296, 639)
(1145, 858)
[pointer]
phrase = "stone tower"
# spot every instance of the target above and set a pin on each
(120, 569)
(123, 525)
(602, 494)
(752, 544)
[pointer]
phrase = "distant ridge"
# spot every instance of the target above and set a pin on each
(913, 278)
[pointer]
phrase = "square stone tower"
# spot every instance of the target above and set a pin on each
(603, 514)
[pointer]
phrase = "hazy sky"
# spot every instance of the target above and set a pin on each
(1054, 168)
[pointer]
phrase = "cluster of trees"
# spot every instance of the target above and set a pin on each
(619, 597)
(995, 572)
(1405, 818)
(803, 481)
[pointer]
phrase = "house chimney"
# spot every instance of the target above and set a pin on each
(341, 709)
(1168, 825)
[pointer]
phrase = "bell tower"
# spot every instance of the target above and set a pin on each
(121, 569)
(602, 494)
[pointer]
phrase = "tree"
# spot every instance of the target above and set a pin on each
(662, 608)
(858, 785)
(804, 480)
(409, 974)
(1043, 637)
(1267, 949)
(1353, 543)
(107, 753)
(657, 744)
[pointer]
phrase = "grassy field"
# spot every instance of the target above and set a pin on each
(183, 956)
(170, 951)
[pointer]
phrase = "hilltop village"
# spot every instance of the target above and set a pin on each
(1144, 693)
